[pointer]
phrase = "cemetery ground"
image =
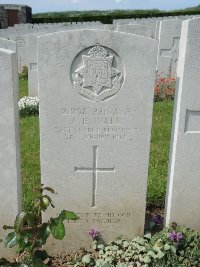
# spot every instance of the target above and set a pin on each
(160, 142)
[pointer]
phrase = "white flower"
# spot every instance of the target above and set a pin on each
(28, 102)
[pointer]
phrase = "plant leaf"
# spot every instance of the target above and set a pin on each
(68, 215)
(10, 240)
(7, 227)
(86, 259)
(44, 233)
(50, 189)
(19, 221)
(160, 255)
(31, 220)
(57, 229)
(41, 254)
(4, 262)
(38, 262)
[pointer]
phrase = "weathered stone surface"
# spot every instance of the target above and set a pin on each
(139, 29)
(21, 42)
(7, 44)
(10, 189)
(32, 65)
(168, 48)
(183, 195)
(96, 103)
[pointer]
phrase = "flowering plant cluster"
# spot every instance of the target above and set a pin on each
(94, 234)
(173, 246)
(164, 89)
(174, 236)
(24, 73)
(28, 106)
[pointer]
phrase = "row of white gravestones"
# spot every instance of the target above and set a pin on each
(167, 53)
(142, 30)
(183, 195)
(20, 37)
(10, 189)
(96, 103)
(32, 28)
(169, 35)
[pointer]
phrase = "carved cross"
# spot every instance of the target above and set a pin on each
(94, 169)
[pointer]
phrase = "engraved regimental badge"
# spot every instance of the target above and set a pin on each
(97, 79)
(20, 42)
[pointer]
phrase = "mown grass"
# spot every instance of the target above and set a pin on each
(159, 153)
(29, 132)
(160, 142)
(23, 88)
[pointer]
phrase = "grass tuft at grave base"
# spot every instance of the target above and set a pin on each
(160, 143)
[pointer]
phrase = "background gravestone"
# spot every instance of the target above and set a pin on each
(96, 102)
(168, 48)
(139, 29)
(32, 55)
(183, 194)
(7, 44)
(32, 65)
(21, 51)
(10, 189)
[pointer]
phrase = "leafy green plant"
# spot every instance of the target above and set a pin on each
(30, 233)
(24, 73)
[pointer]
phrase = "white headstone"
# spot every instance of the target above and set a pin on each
(96, 102)
(10, 189)
(168, 49)
(183, 195)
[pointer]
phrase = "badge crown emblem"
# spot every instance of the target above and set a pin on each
(97, 79)
(98, 51)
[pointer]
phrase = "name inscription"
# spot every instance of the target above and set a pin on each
(96, 124)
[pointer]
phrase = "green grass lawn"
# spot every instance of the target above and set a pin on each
(23, 88)
(160, 142)
(159, 153)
